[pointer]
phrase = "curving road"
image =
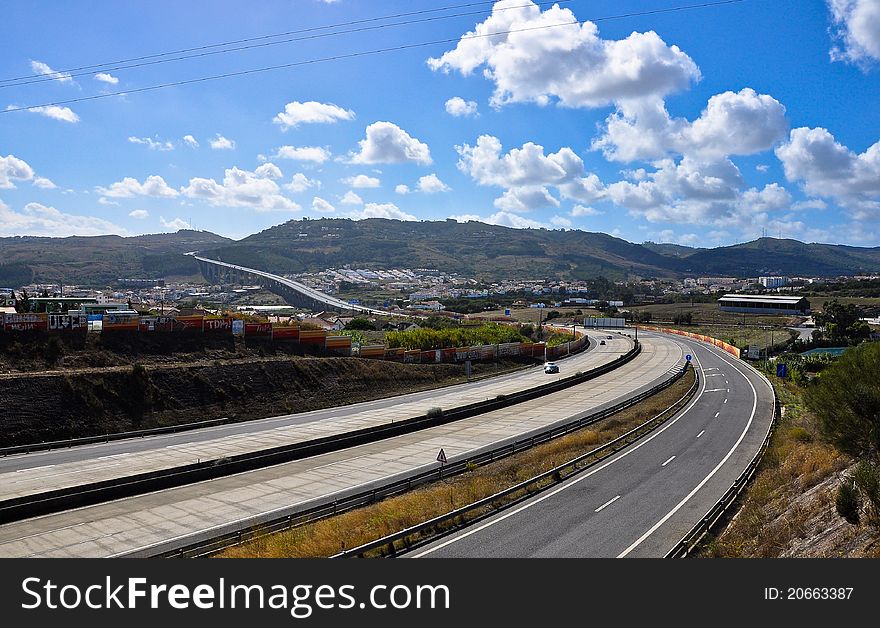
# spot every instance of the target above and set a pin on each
(161, 521)
(30, 474)
(643, 500)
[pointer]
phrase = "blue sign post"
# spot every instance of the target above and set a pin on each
(781, 370)
(688, 357)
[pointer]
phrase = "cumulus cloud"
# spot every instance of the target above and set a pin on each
(40, 220)
(461, 108)
(64, 114)
(560, 221)
(43, 68)
(311, 112)
(152, 144)
(14, 169)
(44, 183)
(856, 28)
(222, 143)
(350, 198)
(387, 143)
(104, 77)
(733, 123)
(139, 214)
(571, 64)
(362, 181)
(504, 219)
(313, 154)
(382, 210)
(580, 210)
(300, 183)
(527, 172)
(129, 187)
(431, 184)
(401, 189)
(242, 188)
(828, 169)
(175, 224)
(190, 141)
(321, 205)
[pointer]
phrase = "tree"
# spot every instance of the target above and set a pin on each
(841, 322)
(361, 324)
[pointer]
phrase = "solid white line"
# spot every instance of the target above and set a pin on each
(701, 433)
(717, 389)
(703, 482)
(725, 400)
(580, 478)
(716, 414)
(668, 461)
(608, 503)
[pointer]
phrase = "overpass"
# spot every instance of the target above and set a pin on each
(293, 292)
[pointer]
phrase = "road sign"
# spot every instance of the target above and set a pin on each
(441, 457)
(688, 357)
(781, 370)
(507, 312)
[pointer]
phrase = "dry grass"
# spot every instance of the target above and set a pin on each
(770, 518)
(354, 528)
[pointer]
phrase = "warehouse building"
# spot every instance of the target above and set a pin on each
(764, 304)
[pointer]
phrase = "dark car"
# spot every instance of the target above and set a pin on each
(551, 367)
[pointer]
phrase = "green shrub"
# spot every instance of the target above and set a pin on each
(433, 413)
(848, 502)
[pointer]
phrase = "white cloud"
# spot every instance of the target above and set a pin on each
(382, 210)
(350, 198)
(129, 187)
(44, 183)
(139, 214)
(42, 68)
(64, 114)
(320, 205)
(242, 188)
(401, 189)
(268, 170)
(106, 201)
(527, 172)
(311, 112)
(580, 210)
(39, 220)
(362, 181)
(176, 224)
(104, 77)
(560, 221)
(762, 167)
(14, 169)
(857, 29)
(569, 63)
(300, 183)
(151, 143)
(431, 184)
(222, 143)
(387, 143)
(504, 219)
(314, 154)
(829, 169)
(191, 141)
(461, 108)
(733, 123)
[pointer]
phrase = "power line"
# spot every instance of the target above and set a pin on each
(353, 55)
(198, 51)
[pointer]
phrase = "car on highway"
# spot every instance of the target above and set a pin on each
(610, 337)
(551, 367)
(601, 342)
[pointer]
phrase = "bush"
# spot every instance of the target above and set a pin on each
(848, 502)
(433, 413)
(361, 324)
(427, 339)
(800, 435)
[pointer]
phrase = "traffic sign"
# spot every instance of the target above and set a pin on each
(688, 357)
(441, 457)
(781, 370)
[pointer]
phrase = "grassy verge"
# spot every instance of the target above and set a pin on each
(770, 517)
(354, 528)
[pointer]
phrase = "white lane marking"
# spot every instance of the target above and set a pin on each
(580, 478)
(725, 400)
(703, 482)
(716, 414)
(46, 466)
(716, 389)
(716, 375)
(608, 503)
(668, 461)
(701, 433)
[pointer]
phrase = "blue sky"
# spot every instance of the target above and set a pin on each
(704, 126)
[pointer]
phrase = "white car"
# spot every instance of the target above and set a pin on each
(551, 367)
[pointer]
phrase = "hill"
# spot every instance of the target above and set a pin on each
(101, 260)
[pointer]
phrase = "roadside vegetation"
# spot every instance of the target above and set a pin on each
(351, 529)
(462, 336)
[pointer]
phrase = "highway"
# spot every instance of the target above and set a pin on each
(29, 474)
(644, 499)
(160, 521)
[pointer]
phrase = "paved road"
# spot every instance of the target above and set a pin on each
(167, 519)
(642, 501)
(29, 474)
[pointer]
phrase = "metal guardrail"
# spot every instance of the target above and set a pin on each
(692, 539)
(57, 500)
(248, 530)
(555, 474)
